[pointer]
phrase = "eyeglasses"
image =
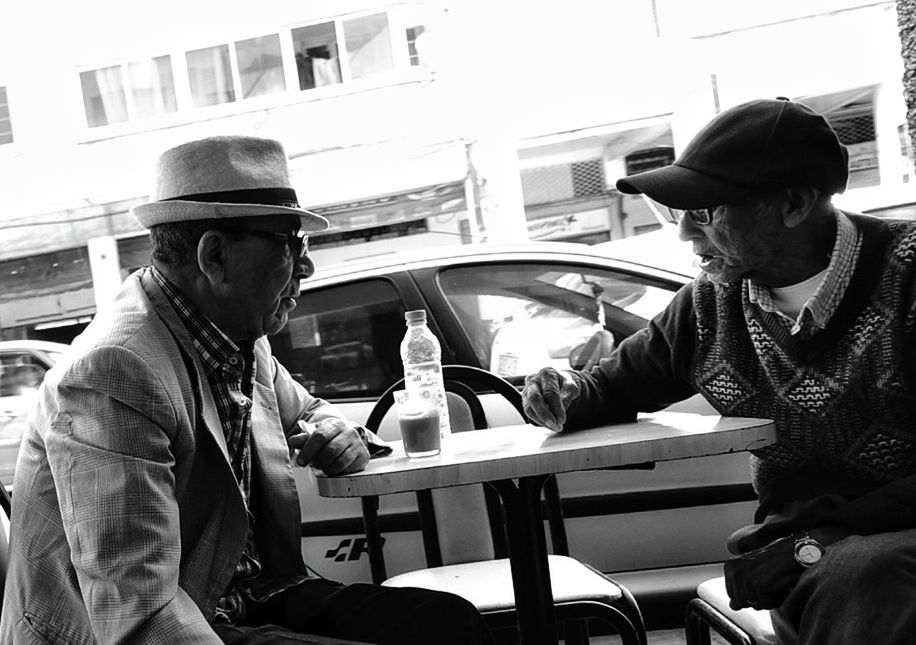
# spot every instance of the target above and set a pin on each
(698, 216)
(297, 242)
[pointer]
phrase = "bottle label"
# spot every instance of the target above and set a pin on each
(427, 377)
(422, 375)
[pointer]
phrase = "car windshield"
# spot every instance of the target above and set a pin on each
(520, 317)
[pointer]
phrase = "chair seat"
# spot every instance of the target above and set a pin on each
(756, 623)
(488, 584)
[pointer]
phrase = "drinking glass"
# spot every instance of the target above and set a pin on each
(418, 417)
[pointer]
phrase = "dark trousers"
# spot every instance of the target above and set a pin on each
(860, 593)
(322, 612)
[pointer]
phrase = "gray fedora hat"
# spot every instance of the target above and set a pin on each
(221, 178)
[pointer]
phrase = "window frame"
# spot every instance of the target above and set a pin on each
(131, 108)
(8, 119)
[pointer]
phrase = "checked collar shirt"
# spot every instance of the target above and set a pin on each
(823, 303)
(230, 370)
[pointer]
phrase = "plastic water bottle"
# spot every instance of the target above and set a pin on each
(422, 358)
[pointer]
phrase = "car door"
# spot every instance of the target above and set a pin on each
(511, 316)
(342, 342)
(517, 316)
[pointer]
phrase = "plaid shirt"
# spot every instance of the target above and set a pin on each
(230, 370)
(821, 306)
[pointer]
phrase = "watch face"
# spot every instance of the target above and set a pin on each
(807, 552)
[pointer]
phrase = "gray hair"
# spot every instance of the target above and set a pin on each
(174, 244)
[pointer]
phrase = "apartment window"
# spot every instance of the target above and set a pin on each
(588, 178)
(152, 86)
(368, 45)
(103, 96)
(260, 66)
(317, 58)
(549, 184)
(139, 89)
(6, 126)
(327, 53)
(210, 76)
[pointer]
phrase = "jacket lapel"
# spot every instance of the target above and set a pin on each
(208, 411)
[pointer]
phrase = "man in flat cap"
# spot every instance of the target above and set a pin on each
(154, 497)
(803, 314)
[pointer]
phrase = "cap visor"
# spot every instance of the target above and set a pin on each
(680, 187)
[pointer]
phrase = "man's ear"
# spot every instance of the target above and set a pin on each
(799, 204)
(212, 255)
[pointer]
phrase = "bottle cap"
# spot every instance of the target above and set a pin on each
(417, 315)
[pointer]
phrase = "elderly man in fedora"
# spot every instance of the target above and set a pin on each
(154, 498)
(804, 314)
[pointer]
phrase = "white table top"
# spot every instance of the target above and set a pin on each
(525, 450)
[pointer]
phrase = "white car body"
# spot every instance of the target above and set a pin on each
(23, 364)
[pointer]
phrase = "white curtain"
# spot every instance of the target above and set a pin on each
(152, 87)
(210, 76)
(111, 96)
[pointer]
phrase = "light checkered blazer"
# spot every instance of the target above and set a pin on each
(127, 522)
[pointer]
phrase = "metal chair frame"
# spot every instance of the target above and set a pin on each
(701, 617)
(622, 615)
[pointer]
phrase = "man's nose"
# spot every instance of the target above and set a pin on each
(688, 230)
(303, 267)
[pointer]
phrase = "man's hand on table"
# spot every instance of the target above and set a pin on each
(546, 396)
(333, 445)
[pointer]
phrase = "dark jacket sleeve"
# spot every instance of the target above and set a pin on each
(648, 371)
(891, 507)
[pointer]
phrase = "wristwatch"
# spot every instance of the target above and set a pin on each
(807, 550)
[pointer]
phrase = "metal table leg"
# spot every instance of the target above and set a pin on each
(528, 559)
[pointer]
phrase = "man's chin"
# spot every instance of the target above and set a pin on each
(277, 323)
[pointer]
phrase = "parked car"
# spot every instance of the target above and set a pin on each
(23, 364)
(511, 309)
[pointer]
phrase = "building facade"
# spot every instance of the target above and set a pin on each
(428, 122)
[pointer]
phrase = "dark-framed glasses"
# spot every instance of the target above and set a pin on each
(297, 242)
(698, 216)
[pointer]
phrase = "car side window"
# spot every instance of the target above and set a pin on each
(344, 340)
(20, 373)
(521, 317)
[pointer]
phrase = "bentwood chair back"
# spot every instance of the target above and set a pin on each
(465, 542)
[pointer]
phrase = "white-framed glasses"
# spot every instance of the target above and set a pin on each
(698, 216)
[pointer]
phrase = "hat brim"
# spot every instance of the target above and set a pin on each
(680, 187)
(166, 212)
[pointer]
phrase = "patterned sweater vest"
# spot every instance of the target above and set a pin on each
(844, 399)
